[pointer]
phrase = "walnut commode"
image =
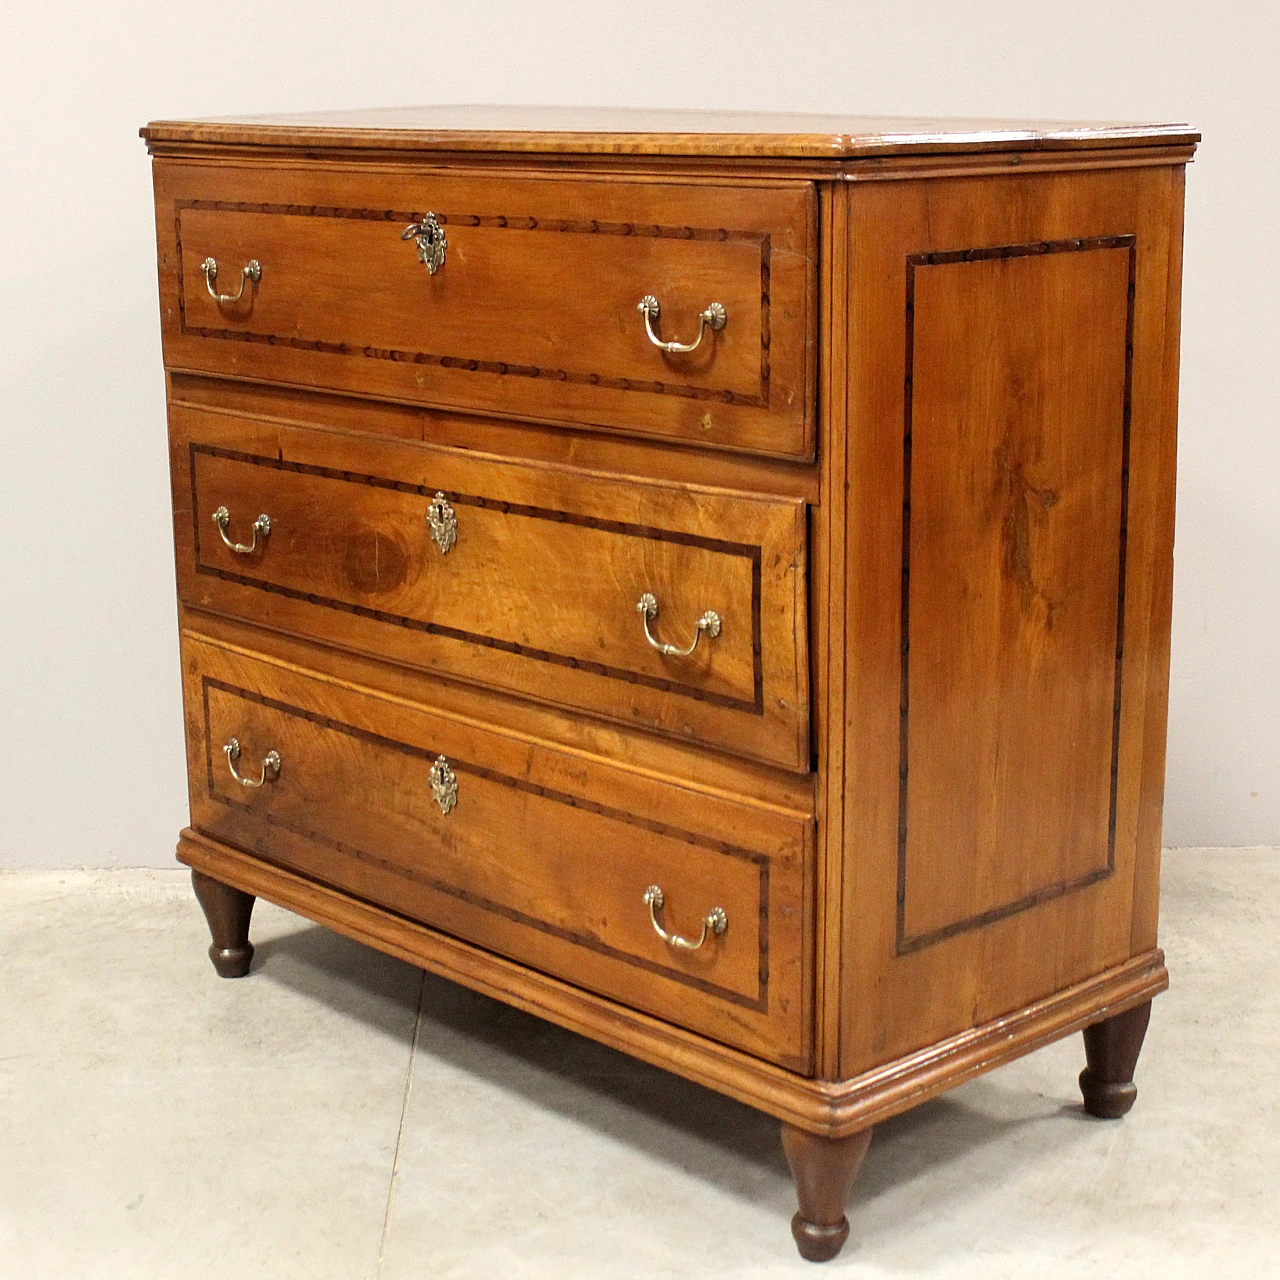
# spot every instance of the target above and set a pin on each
(702, 579)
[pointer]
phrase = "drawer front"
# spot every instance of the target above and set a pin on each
(522, 576)
(534, 311)
(541, 855)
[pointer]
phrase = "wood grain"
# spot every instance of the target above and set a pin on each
(829, 622)
(1156, 389)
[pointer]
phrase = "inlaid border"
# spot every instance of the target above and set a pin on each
(745, 550)
(907, 944)
(422, 877)
(492, 222)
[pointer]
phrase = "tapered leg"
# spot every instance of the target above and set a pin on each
(823, 1169)
(1111, 1049)
(227, 911)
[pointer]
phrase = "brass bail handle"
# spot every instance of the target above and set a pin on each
(647, 608)
(252, 270)
(270, 765)
(262, 525)
(714, 316)
(715, 920)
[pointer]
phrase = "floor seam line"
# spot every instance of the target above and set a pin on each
(404, 1112)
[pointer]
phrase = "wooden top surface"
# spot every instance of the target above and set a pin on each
(627, 131)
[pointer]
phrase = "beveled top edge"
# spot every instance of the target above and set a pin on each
(627, 131)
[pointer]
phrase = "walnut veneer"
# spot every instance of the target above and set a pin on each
(846, 631)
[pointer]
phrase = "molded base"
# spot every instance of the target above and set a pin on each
(830, 1108)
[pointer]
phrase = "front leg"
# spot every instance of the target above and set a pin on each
(823, 1169)
(227, 910)
(1111, 1049)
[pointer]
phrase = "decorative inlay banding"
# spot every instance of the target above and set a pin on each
(905, 943)
(260, 812)
(493, 222)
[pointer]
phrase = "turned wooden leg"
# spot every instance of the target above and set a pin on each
(1111, 1049)
(227, 911)
(823, 1169)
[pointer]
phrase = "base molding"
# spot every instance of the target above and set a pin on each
(832, 1109)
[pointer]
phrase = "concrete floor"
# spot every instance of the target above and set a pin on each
(339, 1115)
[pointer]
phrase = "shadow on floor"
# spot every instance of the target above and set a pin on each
(630, 1101)
(353, 980)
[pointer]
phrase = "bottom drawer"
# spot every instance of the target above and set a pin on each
(544, 855)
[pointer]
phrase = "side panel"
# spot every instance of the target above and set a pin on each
(1009, 546)
(1015, 453)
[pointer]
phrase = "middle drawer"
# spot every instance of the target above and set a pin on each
(673, 607)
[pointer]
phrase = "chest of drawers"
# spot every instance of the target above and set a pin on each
(704, 580)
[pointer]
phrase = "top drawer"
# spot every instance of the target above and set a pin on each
(535, 309)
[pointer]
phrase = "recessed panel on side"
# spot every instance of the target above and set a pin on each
(1015, 457)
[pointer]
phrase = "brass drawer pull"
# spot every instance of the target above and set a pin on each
(647, 608)
(270, 765)
(431, 242)
(262, 525)
(252, 270)
(714, 315)
(442, 523)
(716, 920)
(444, 784)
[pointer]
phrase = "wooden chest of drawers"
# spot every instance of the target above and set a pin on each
(704, 580)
